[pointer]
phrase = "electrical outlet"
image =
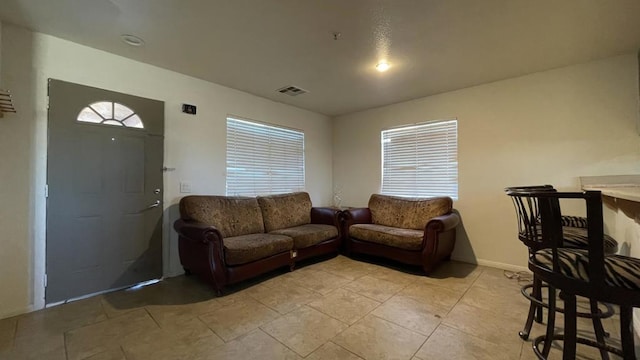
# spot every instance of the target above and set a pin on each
(185, 187)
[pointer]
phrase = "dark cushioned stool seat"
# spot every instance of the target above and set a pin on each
(620, 271)
(577, 238)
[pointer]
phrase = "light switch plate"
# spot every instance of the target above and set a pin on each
(185, 187)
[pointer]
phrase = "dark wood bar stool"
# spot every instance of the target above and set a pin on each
(574, 230)
(587, 272)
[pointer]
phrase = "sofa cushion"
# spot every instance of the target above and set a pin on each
(285, 210)
(408, 239)
(232, 216)
(308, 235)
(246, 248)
(407, 213)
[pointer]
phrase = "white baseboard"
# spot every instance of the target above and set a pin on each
(494, 264)
(174, 272)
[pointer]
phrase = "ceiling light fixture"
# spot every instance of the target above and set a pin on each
(132, 40)
(383, 66)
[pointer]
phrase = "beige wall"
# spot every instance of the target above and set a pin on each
(623, 218)
(194, 145)
(549, 127)
(16, 210)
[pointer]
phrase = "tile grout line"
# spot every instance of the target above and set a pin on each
(214, 332)
(197, 318)
(152, 318)
(370, 313)
(123, 352)
(314, 309)
(340, 346)
(302, 304)
(64, 341)
(456, 304)
(15, 335)
(463, 294)
(362, 317)
(259, 328)
(370, 298)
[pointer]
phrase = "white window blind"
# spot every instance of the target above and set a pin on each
(263, 159)
(421, 160)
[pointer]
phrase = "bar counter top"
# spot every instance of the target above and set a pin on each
(625, 187)
(626, 192)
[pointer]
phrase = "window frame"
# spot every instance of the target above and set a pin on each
(109, 121)
(451, 166)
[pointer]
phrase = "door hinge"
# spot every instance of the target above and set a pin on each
(46, 191)
(44, 281)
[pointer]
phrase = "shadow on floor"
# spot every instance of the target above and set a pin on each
(182, 290)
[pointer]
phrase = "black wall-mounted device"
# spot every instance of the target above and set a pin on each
(189, 109)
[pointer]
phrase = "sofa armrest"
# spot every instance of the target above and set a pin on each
(439, 240)
(325, 215)
(196, 231)
(201, 252)
(443, 223)
(357, 216)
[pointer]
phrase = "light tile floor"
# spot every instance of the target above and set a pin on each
(334, 309)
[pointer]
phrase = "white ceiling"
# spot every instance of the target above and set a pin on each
(259, 46)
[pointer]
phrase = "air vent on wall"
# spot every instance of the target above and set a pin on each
(292, 90)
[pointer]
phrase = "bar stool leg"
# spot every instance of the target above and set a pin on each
(536, 292)
(551, 322)
(626, 332)
(537, 288)
(570, 331)
(598, 329)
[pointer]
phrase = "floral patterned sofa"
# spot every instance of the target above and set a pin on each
(415, 231)
(225, 239)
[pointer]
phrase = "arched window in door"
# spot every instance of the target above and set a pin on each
(110, 113)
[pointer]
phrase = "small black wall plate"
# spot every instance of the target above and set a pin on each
(189, 109)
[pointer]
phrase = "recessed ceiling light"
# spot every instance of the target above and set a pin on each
(132, 40)
(383, 66)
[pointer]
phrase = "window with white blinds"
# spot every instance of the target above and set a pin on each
(421, 160)
(263, 159)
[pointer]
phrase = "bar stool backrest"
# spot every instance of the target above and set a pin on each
(547, 232)
(528, 215)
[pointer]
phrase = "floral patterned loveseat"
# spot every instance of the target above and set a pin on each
(415, 231)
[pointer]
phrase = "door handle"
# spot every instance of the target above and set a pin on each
(155, 204)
